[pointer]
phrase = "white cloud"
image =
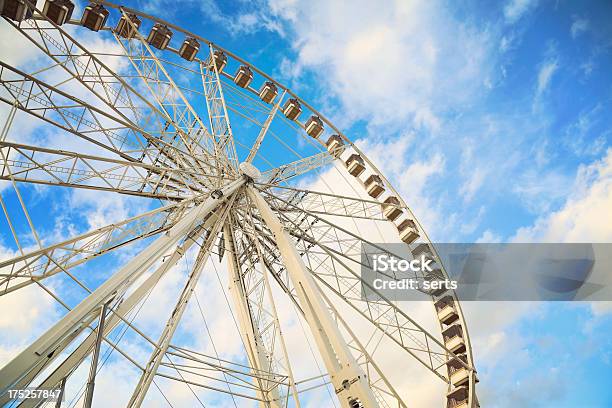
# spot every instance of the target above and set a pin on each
(585, 216)
(252, 16)
(545, 74)
(515, 9)
(579, 26)
(25, 315)
(489, 236)
(384, 61)
(601, 308)
(14, 50)
(580, 134)
(472, 184)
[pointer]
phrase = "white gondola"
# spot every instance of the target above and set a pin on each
(453, 338)
(459, 375)
(268, 92)
(16, 10)
(125, 29)
(445, 308)
(160, 36)
(314, 126)
(457, 398)
(292, 109)
(94, 17)
(436, 288)
(189, 49)
(335, 145)
(421, 249)
(355, 165)
(408, 231)
(220, 60)
(58, 11)
(391, 208)
(374, 186)
(243, 76)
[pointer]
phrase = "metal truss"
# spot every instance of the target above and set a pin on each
(286, 199)
(164, 340)
(252, 295)
(48, 261)
(297, 168)
(217, 110)
(70, 169)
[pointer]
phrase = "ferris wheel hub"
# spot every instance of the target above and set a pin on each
(247, 169)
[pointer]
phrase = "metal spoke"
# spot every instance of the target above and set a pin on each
(37, 265)
(30, 164)
(297, 168)
(285, 199)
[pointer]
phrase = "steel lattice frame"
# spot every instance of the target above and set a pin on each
(163, 137)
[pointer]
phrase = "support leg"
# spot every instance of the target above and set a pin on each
(347, 377)
(94, 359)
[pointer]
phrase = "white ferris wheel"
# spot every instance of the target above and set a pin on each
(242, 178)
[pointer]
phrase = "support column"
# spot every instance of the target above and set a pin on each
(251, 338)
(94, 359)
(347, 377)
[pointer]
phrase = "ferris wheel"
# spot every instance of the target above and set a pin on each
(242, 178)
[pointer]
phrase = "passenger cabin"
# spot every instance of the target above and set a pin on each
(220, 60)
(314, 126)
(445, 307)
(355, 165)
(94, 17)
(160, 36)
(125, 29)
(268, 92)
(16, 10)
(453, 338)
(457, 398)
(292, 109)
(391, 208)
(374, 186)
(189, 49)
(435, 290)
(421, 249)
(243, 76)
(408, 231)
(335, 145)
(58, 11)
(459, 375)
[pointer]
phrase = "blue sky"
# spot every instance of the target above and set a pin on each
(493, 119)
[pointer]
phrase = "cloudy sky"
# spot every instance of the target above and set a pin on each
(493, 119)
